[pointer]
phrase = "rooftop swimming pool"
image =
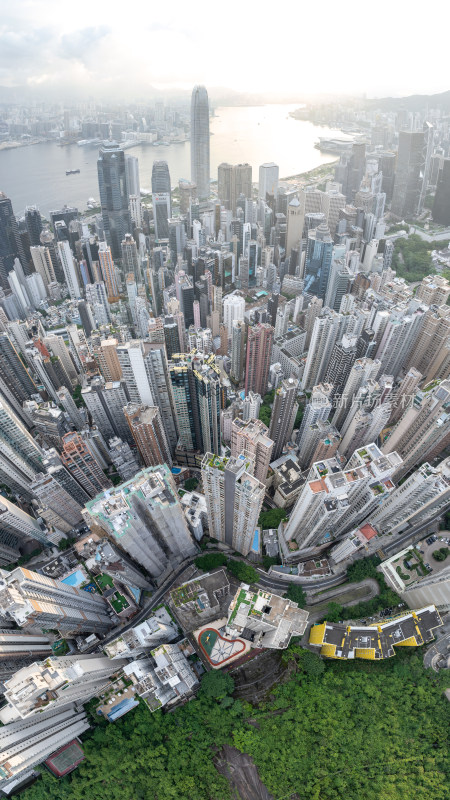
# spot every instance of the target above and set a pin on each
(122, 708)
(255, 544)
(176, 470)
(75, 578)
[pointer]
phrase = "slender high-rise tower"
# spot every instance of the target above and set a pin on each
(200, 170)
(113, 195)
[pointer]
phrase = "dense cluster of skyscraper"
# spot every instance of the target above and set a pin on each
(164, 336)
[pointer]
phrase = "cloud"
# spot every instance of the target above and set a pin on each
(79, 44)
(244, 46)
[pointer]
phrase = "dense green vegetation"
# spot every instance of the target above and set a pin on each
(242, 571)
(296, 594)
(64, 544)
(271, 518)
(265, 410)
(191, 484)
(210, 561)
(334, 730)
(299, 417)
(78, 398)
(441, 554)
(411, 259)
(364, 568)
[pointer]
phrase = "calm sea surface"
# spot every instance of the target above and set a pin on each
(36, 175)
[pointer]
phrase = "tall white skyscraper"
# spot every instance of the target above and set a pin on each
(36, 601)
(233, 498)
(268, 180)
(145, 518)
(233, 310)
(131, 360)
(70, 273)
(200, 163)
(56, 682)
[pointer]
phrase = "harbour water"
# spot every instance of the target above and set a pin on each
(36, 175)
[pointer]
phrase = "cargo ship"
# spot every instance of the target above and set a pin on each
(72, 171)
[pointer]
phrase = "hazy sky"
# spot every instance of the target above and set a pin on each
(345, 46)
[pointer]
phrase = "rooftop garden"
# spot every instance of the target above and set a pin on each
(104, 581)
(119, 602)
(241, 598)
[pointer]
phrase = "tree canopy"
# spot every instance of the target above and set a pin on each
(296, 594)
(334, 729)
(271, 518)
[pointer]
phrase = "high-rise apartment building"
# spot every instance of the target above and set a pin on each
(272, 619)
(433, 290)
(233, 308)
(423, 431)
(342, 358)
(147, 431)
(20, 454)
(431, 339)
(35, 601)
(238, 341)
(55, 682)
(419, 498)
(42, 263)
(251, 438)
(234, 499)
(200, 166)
(10, 242)
(113, 195)
(108, 360)
(404, 394)
(70, 270)
(157, 370)
(362, 371)
(78, 459)
(16, 385)
(108, 271)
(259, 351)
(233, 181)
(284, 412)
(335, 500)
(130, 257)
(319, 252)
(144, 517)
(268, 180)
(198, 398)
(134, 374)
(326, 331)
(26, 743)
(105, 403)
(19, 648)
(250, 406)
(124, 460)
(405, 198)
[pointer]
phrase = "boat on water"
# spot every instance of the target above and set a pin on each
(72, 171)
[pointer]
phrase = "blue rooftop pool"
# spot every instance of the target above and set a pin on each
(75, 578)
(176, 470)
(255, 545)
(121, 708)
